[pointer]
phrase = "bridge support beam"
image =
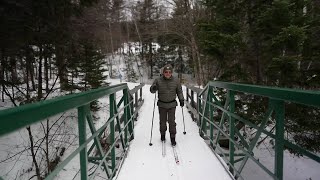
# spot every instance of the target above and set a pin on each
(231, 130)
(279, 140)
(82, 140)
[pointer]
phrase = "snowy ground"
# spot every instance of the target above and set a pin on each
(197, 161)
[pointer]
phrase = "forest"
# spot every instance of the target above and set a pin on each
(63, 45)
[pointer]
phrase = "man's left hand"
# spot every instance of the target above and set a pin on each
(181, 103)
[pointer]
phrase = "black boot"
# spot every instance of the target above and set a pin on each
(173, 141)
(163, 137)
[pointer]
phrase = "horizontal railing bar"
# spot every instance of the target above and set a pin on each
(22, 116)
(135, 89)
(235, 154)
(307, 97)
(195, 89)
(238, 160)
(303, 151)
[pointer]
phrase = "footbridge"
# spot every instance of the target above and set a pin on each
(223, 124)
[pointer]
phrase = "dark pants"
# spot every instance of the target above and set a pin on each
(167, 115)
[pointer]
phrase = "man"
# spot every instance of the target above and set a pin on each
(168, 89)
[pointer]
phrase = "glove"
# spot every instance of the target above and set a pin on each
(181, 103)
(154, 88)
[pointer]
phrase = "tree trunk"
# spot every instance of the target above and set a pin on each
(40, 75)
(27, 78)
(13, 69)
(180, 62)
(50, 69)
(12, 89)
(46, 73)
(258, 64)
(2, 72)
(33, 154)
(254, 44)
(150, 59)
(31, 71)
(111, 43)
(196, 60)
(194, 46)
(61, 65)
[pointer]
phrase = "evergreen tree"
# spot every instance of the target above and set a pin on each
(91, 67)
(220, 38)
(271, 43)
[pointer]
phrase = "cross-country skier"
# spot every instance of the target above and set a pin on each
(168, 88)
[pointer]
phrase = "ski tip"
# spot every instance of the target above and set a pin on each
(184, 132)
(150, 144)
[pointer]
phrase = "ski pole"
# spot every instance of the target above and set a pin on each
(154, 104)
(184, 125)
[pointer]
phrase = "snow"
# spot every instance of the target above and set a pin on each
(197, 161)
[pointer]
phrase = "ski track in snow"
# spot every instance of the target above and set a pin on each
(197, 161)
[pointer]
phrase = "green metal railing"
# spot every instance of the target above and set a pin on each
(119, 125)
(219, 122)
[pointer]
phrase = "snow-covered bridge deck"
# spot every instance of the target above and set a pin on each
(146, 162)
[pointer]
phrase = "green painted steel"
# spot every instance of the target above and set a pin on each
(96, 144)
(82, 139)
(231, 130)
(112, 130)
(10, 119)
(223, 121)
(310, 98)
(127, 108)
(279, 141)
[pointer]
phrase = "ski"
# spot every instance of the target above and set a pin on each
(163, 148)
(175, 154)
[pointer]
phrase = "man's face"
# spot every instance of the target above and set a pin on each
(167, 74)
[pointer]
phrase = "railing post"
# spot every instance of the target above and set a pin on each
(125, 118)
(279, 140)
(192, 104)
(198, 109)
(140, 98)
(231, 130)
(128, 113)
(187, 97)
(132, 106)
(82, 139)
(136, 100)
(211, 117)
(112, 130)
(205, 111)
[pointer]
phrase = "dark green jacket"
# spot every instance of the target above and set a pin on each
(168, 90)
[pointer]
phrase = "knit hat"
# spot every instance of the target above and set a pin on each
(167, 67)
